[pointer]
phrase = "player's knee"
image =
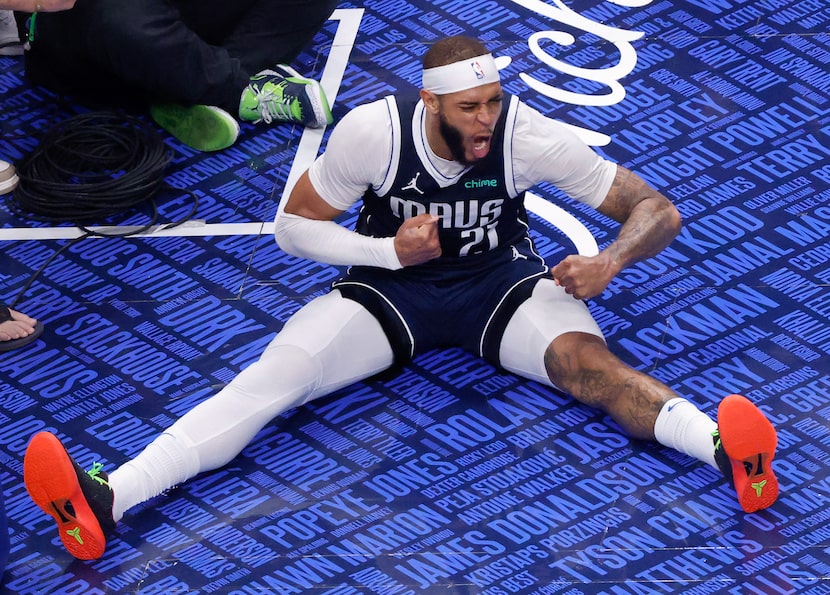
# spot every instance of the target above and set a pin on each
(576, 358)
(297, 366)
(283, 370)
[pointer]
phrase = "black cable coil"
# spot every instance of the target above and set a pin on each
(91, 166)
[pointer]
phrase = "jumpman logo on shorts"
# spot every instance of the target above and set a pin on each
(516, 254)
(413, 184)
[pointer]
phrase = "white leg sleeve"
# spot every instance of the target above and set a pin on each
(328, 344)
(548, 313)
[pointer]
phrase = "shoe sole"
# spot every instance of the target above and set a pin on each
(11, 47)
(52, 483)
(202, 127)
(9, 184)
(320, 105)
(749, 440)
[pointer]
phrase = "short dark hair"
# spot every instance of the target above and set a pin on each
(450, 50)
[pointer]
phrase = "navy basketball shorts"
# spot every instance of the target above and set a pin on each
(466, 305)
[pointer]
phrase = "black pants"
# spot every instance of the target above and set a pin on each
(187, 51)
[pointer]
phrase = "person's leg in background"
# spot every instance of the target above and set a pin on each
(125, 54)
(152, 50)
(144, 46)
(262, 36)
(275, 31)
(8, 177)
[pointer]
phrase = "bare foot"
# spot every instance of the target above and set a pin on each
(18, 327)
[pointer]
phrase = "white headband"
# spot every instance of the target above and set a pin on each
(460, 76)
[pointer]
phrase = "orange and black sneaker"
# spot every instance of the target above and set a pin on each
(79, 501)
(745, 444)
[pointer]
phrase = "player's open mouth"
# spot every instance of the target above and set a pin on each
(481, 146)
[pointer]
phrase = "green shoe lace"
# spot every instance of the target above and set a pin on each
(94, 473)
(284, 96)
(274, 103)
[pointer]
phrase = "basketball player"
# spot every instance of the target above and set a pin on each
(441, 257)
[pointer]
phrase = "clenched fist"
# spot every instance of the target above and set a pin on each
(417, 240)
(584, 277)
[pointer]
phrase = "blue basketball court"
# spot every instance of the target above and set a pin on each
(453, 476)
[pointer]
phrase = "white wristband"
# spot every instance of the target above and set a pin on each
(331, 243)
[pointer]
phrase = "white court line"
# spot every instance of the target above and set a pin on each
(307, 150)
(572, 227)
(331, 79)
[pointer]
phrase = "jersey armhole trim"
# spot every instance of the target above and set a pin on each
(395, 156)
(509, 129)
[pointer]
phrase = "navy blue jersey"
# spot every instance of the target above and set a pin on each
(477, 214)
(488, 265)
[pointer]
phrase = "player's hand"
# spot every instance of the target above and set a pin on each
(584, 277)
(417, 240)
(54, 5)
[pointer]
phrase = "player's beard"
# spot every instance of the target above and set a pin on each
(454, 139)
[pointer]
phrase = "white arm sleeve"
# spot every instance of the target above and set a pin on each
(357, 156)
(331, 243)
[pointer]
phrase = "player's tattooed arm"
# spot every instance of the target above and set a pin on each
(649, 220)
(649, 223)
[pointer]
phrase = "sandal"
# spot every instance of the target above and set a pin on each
(6, 316)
